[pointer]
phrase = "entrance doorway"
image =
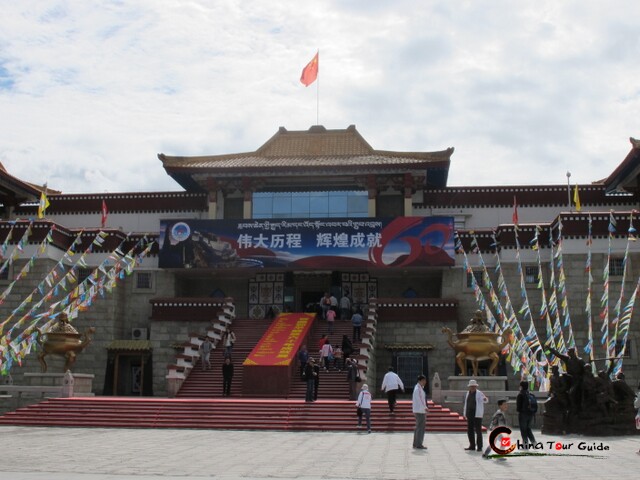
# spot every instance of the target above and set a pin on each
(309, 301)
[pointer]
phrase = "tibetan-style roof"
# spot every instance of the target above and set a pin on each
(63, 237)
(309, 152)
(574, 225)
(526, 195)
(130, 202)
(624, 178)
(14, 191)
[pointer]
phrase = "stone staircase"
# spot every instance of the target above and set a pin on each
(208, 383)
(240, 414)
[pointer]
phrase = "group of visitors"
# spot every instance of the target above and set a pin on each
(393, 383)
(330, 308)
(227, 341)
(329, 357)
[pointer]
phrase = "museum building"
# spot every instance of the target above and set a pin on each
(259, 233)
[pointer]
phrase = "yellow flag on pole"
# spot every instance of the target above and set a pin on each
(43, 205)
(576, 198)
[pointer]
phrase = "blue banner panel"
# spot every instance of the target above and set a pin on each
(307, 243)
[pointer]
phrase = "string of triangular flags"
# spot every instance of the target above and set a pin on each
(29, 265)
(48, 279)
(519, 352)
(562, 291)
(70, 276)
(124, 263)
(604, 300)
(18, 249)
(544, 309)
(588, 348)
(558, 303)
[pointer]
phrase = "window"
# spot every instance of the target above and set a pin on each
(310, 204)
(531, 274)
(627, 350)
(616, 267)
(83, 273)
(479, 279)
(4, 276)
(143, 281)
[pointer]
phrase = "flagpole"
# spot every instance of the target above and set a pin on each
(318, 92)
(568, 190)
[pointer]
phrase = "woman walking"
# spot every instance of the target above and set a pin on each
(364, 404)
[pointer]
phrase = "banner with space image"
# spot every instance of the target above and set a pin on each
(307, 243)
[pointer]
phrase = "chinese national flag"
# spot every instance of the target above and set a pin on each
(310, 72)
(514, 215)
(105, 212)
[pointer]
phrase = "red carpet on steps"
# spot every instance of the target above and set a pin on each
(236, 414)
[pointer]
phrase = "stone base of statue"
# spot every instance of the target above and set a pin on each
(492, 384)
(82, 386)
(594, 419)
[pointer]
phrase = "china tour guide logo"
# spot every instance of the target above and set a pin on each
(501, 443)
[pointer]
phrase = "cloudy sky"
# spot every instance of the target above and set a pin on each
(90, 92)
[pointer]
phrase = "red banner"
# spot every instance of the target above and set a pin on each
(279, 345)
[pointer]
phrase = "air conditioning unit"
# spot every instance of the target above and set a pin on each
(139, 334)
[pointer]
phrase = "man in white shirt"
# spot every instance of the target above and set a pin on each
(391, 383)
(420, 411)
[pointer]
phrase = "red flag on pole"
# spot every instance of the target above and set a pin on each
(514, 217)
(104, 213)
(310, 72)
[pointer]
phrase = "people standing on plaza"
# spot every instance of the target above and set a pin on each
(352, 377)
(331, 320)
(228, 340)
(498, 420)
(419, 405)
(326, 355)
(364, 403)
(345, 307)
(227, 376)
(205, 353)
(303, 358)
(356, 321)
(525, 414)
(473, 410)
(392, 384)
(309, 377)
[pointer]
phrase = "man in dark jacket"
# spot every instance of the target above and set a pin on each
(227, 376)
(303, 358)
(525, 416)
(309, 377)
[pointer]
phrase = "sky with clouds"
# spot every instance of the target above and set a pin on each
(91, 92)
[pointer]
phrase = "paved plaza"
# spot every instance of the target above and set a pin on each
(32, 453)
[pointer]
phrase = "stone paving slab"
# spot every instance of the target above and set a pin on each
(39, 453)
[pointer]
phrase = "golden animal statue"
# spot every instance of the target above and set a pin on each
(476, 343)
(62, 339)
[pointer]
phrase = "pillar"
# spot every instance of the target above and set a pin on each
(408, 195)
(373, 191)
